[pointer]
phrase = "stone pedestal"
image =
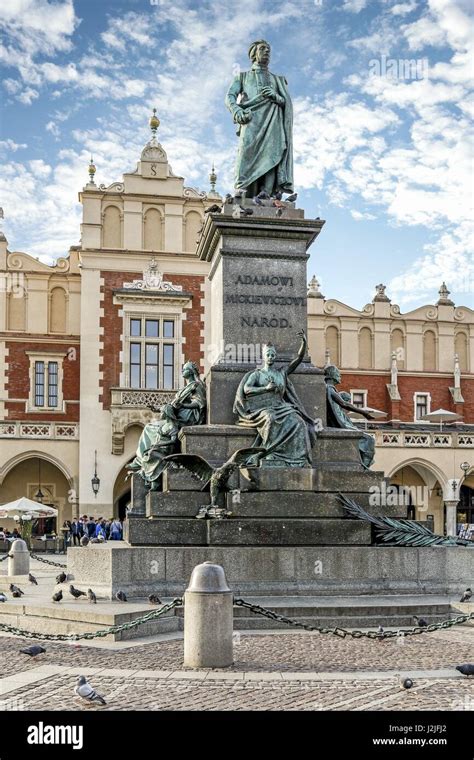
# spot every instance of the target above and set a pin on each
(258, 287)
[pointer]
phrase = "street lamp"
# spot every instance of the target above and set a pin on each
(465, 466)
(39, 495)
(95, 481)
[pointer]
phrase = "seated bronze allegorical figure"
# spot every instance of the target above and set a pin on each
(267, 402)
(337, 405)
(160, 437)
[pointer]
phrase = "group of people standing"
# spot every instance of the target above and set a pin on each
(100, 527)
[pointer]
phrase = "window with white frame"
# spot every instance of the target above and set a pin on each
(152, 351)
(46, 376)
(422, 405)
(359, 398)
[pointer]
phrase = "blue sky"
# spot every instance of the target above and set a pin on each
(382, 150)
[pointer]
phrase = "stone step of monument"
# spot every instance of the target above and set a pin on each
(80, 617)
(268, 531)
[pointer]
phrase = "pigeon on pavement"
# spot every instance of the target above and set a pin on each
(58, 596)
(154, 599)
(467, 669)
(291, 198)
(3, 598)
(256, 201)
(15, 589)
(91, 596)
(420, 622)
(85, 691)
(229, 199)
(17, 594)
(84, 540)
(214, 209)
(32, 579)
(466, 596)
(75, 592)
(61, 578)
(406, 683)
(245, 211)
(120, 596)
(33, 650)
(263, 195)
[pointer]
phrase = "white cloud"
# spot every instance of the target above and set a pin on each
(354, 6)
(27, 96)
(8, 144)
(362, 216)
(52, 127)
(402, 9)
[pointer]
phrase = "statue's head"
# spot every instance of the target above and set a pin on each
(259, 52)
(332, 374)
(269, 353)
(190, 369)
(168, 413)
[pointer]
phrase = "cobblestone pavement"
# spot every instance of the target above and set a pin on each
(271, 672)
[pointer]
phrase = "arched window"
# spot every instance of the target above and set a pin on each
(16, 311)
(192, 225)
(429, 351)
(332, 344)
(57, 311)
(152, 233)
(111, 230)
(397, 345)
(365, 348)
(460, 348)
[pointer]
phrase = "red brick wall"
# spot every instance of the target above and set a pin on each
(438, 387)
(18, 379)
(112, 323)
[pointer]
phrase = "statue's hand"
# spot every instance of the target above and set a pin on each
(301, 334)
(242, 117)
(270, 386)
(270, 93)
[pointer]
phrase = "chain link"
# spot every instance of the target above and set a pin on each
(2, 559)
(46, 561)
(95, 634)
(343, 632)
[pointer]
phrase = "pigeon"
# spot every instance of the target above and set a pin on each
(214, 209)
(85, 691)
(75, 592)
(84, 540)
(91, 596)
(33, 650)
(154, 599)
(120, 596)
(466, 596)
(61, 578)
(32, 579)
(278, 195)
(245, 211)
(256, 201)
(420, 622)
(380, 631)
(15, 589)
(405, 683)
(279, 212)
(17, 594)
(229, 199)
(291, 198)
(3, 598)
(263, 195)
(58, 596)
(467, 669)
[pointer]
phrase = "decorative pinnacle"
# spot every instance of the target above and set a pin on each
(444, 296)
(313, 288)
(92, 171)
(213, 178)
(154, 123)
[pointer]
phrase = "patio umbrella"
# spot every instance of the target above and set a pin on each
(441, 415)
(24, 506)
(376, 414)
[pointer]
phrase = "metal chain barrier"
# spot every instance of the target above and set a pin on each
(46, 561)
(343, 632)
(95, 634)
(2, 559)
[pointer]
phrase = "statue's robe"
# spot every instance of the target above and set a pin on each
(265, 155)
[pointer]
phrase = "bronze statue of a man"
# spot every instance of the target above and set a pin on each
(261, 106)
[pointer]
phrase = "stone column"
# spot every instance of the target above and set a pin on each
(451, 517)
(18, 558)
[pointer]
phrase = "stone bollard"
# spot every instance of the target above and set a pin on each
(208, 619)
(18, 558)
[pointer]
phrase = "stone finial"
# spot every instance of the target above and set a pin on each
(380, 294)
(213, 179)
(313, 288)
(444, 299)
(92, 171)
(154, 123)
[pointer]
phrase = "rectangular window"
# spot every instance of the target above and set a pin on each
(135, 327)
(422, 405)
(135, 365)
(152, 328)
(168, 328)
(168, 366)
(52, 384)
(39, 383)
(359, 398)
(151, 365)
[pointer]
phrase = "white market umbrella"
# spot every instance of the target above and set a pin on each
(24, 506)
(376, 414)
(441, 415)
